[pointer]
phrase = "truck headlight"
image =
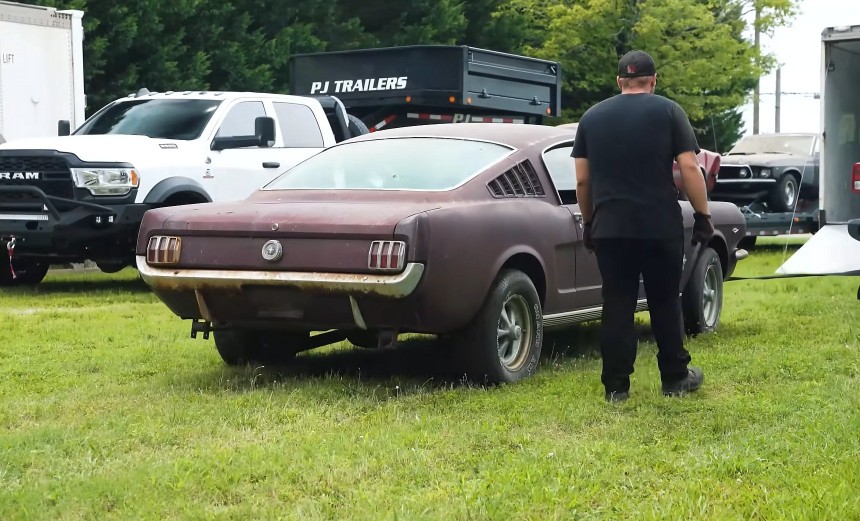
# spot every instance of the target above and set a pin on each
(764, 172)
(106, 181)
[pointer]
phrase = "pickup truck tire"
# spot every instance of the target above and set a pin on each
(702, 299)
(356, 126)
(243, 346)
(784, 195)
(503, 342)
(27, 272)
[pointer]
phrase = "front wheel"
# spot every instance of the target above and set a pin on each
(244, 346)
(702, 300)
(784, 194)
(27, 272)
(503, 342)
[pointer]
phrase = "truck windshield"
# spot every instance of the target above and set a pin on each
(155, 118)
(774, 144)
(420, 163)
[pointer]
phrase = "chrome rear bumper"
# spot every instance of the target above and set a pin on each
(398, 285)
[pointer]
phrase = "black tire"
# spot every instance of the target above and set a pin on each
(483, 354)
(356, 126)
(243, 346)
(112, 267)
(784, 195)
(748, 242)
(364, 339)
(702, 300)
(27, 272)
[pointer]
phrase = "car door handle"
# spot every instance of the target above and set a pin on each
(271, 164)
(577, 217)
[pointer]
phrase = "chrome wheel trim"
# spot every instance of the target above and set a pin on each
(514, 332)
(790, 192)
(711, 296)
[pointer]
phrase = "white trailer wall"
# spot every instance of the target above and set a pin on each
(41, 70)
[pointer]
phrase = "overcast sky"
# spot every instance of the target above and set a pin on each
(798, 49)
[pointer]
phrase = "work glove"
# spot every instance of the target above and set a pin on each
(586, 237)
(703, 228)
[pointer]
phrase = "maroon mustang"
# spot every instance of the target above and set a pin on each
(468, 231)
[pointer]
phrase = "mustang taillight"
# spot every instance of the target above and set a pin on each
(855, 178)
(163, 249)
(386, 255)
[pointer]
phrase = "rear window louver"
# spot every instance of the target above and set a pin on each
(519, 181)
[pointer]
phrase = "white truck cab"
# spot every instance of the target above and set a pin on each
(82, 196)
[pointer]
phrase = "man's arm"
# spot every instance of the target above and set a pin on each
(583, 188)
(694, 182)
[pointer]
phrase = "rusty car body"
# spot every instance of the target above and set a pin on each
(470, 231)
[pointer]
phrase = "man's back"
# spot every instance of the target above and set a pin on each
(630, 141)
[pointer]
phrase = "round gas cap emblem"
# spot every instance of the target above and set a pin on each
(272, 251)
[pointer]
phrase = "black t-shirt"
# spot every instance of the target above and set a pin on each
(630, 141)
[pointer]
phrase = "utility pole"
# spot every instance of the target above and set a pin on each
(758, 52)
(778, 92)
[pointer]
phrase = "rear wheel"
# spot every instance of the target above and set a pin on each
(245, 346)
(28, 272)
(702, 300)
(503, 343)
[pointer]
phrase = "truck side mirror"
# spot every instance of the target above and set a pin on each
(264, 136)
(64, 128)
(264, 127)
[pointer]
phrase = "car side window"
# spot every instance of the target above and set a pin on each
(298, 125)
(241, 119)
(562, 172)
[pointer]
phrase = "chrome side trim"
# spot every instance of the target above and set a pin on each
(393, 286)
(741, 254)
(759, 180)
(556, 320)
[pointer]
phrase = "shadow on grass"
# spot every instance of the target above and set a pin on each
(413, 365)
(84, 285)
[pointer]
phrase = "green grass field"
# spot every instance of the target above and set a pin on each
(108, 410)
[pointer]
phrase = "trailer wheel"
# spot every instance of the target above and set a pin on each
(356, 126)
(784, 195)
(244, 346)
(27, 272)
(702, 299)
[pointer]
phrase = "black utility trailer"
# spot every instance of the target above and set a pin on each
(423, 84)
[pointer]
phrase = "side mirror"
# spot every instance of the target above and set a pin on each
(64, 128)
(264, 136)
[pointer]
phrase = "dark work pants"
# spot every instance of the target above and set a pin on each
(621, 261)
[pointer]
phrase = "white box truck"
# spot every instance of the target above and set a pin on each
(833, 250)
(41, 70)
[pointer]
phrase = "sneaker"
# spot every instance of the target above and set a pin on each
(617, 396)
(688, 384)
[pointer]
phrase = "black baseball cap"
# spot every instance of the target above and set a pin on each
(635, 64)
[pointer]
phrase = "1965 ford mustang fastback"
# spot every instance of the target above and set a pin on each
(470, 231)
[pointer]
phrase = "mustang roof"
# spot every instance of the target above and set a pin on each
(515, 135)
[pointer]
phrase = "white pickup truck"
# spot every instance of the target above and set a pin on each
(82, 196)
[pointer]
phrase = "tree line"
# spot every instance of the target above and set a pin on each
(706, 59)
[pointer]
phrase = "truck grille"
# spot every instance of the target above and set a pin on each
(55, 178)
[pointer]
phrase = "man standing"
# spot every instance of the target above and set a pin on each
(623, 154)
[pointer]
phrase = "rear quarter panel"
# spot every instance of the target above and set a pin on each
(469, 242)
